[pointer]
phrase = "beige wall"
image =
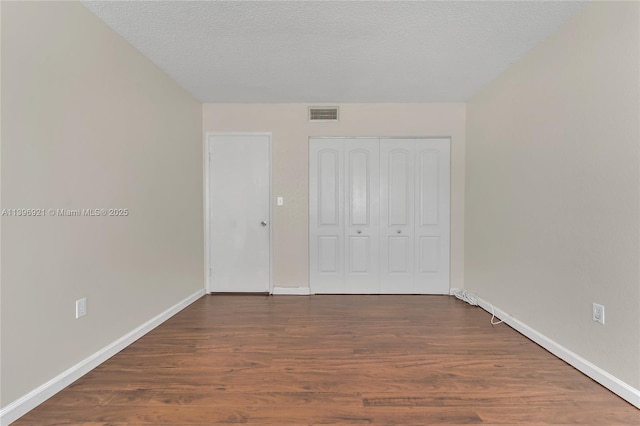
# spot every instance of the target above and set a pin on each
(553, 215)
(89, 122)
(290, 156)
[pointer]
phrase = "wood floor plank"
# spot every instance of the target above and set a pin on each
(340, 360)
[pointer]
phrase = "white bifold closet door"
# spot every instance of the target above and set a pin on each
(344, 198)
(379, 215)
(414, 216)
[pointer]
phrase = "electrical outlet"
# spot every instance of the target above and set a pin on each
(81, 307)
(598, 313)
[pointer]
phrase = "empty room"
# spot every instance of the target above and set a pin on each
(319, 212)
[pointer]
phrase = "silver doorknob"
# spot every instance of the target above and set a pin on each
(399, 231)
(359, 231)
(263, 223)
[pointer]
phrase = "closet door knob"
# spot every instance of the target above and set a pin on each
(399, 231)
(359, 231)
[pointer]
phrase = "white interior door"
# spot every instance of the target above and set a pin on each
(433, 212)
(362, 194)
(344, 203)
(379, 215)
(326, 217)
(397, 214)
(239, 213)
(414, 216)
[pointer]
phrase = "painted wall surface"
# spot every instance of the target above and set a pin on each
(87, 123)
(553, 214)
(290, 155)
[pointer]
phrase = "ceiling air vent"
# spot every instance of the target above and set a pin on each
(323, 113)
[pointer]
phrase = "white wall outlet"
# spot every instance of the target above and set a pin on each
(598, 313)
(81, 307)
(280, 201)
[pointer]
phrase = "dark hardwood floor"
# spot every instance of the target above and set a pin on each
(283, 360)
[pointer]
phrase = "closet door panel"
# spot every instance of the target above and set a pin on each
(362, 204)
(396, 215)
(326, 215)
(432, 214)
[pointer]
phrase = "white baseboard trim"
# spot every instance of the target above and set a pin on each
(28, 402)
(292, 291)
(609, 381)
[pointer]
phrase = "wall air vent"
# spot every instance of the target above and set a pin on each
(323, 113)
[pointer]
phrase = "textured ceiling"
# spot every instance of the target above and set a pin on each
(333, 51)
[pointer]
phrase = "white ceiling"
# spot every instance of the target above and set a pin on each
(334, 51)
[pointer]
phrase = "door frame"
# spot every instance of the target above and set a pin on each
(207, 200)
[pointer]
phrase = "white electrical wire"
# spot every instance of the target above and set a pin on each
(493, 315)
(466, 296)
(470, 298)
